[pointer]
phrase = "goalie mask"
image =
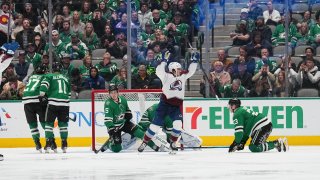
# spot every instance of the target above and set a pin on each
(174, 66)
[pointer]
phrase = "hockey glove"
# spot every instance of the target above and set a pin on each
(195, 57)
(234, 147)
(43, 100)
(128, 115)
(166, 56)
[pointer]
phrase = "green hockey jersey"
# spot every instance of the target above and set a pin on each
(32, 90)
(57, 88)
(114, 112)
(246, 121)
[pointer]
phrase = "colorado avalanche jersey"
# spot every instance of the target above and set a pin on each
(174, 87)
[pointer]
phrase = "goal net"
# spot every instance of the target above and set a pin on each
(138, 102)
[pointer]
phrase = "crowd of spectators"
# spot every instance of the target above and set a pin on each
(82, 26)
(256, 72)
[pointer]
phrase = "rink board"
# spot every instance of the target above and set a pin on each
(297, 119)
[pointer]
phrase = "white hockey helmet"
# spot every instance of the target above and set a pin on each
(174, 66)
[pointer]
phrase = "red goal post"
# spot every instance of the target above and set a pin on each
(138, 100)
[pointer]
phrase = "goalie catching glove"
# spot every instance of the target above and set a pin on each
(195, 57)
(236, 147)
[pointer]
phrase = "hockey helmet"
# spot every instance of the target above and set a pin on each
(234, 101)
(56, 67)
(41, 69)
(113, 87)
(174, 66)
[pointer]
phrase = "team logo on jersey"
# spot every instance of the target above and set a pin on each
(4, 19)
(176, 85)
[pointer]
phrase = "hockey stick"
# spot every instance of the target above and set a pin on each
(204, 147)
(102, 147)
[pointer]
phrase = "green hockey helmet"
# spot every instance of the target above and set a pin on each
(113, 87)
(235, 101)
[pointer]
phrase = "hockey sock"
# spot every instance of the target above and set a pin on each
(49, 130)
(152, 130)
(139, 134)
(63, 126)
(177, 127)
(34, 131)
(262, 147)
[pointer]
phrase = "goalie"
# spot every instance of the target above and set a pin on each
(249, 123)
(171, 99)
(117, 120)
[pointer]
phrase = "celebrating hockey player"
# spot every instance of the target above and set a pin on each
(172, 98)
(249, 123)
(32, 106)
(117, 120)
(55, 88)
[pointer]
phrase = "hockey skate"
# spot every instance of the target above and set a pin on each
(1, 157)
(174, 148)
(281, 144)
(50, 144)
(142, 147)
(285, 144)
(64, 145)
(38, 145)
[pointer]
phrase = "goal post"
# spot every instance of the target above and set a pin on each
(138, 101)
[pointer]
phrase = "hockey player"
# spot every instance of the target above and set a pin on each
(117, 120)
(32, 106)
(252, 124)
(55, 88)
(172, 98)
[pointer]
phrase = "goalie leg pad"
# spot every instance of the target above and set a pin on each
(190, 140)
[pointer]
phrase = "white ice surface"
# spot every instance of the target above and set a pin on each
(80, 163)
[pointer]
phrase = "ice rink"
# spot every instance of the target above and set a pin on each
(81, 163)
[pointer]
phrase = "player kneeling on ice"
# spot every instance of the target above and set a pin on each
(117, 120)
(171, 99)
(186, 139)
(249, 123)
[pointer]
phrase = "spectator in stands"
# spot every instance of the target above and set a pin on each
(94, 81)
(222, 56)
(166, 11)
(89, 37)
(9, 72)
(265, 60)
(144, 14)
(122, 26)
(106, 68)
(263, 83)
(45, 59)
(119, 49)
(146, 37)
(244, 59)
(76, 81)
(105, 12)
(85, 13)
(244, 17)
(66, 13)
(76, 25)
(254, 10)
(120, 80)
(255, 46)
(111, 5)
(85, 68)
(57, 46)
(242, 74)
(108, 39)
(279, 88)
(241, 36)
(122, 8)
(306, 19)
(17, 27)
(303, 36)
(98, 23)
(65, 33)
(263, 29)
(39, 43)
(76, 48)
(22, 66)
(156, 22)
(31, 14)
(271, 15)
(185, 8)
(42, 28)
(5, 27)
(315, 33)
(13, 89)
(309, 53)
(67, 67)
(233, 90)
(58, 23)
(150, 59)
(135, 20)
(219, 76)
(279, 34)
(143, 80)
(25, 36)
(32, 56)
(134, 69)
(308, 75)
(280, 84)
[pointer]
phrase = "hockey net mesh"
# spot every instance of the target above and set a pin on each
(138, 101)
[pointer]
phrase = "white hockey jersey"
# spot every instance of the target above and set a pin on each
(174, 87)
